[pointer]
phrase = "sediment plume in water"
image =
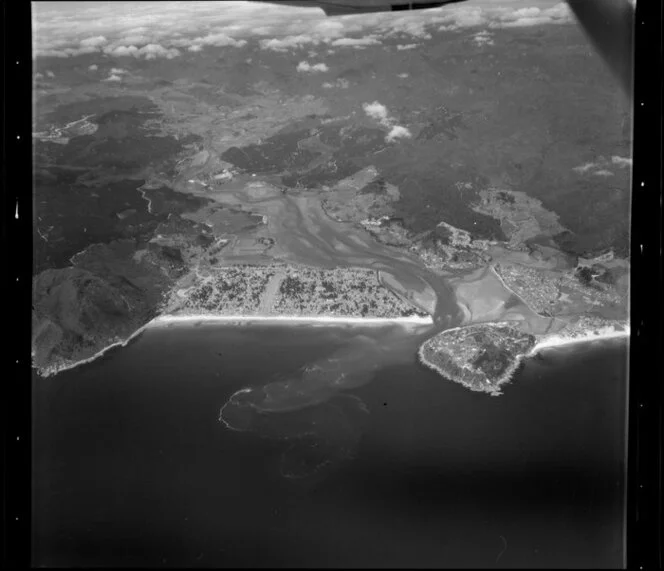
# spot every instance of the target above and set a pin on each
(310, 410)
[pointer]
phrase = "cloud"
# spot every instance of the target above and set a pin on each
(67, 29)
(341, 83)
(483, 39)
(599, 167)
(39, 75)
(118, 71)
(94, 42)
(50, 74)
(533, 16)
(582, 169)
(402, 75)
(621, 162)
(406, 46)
(122, 51)
(289, 42)
(149, 51)
(377, 111)
(216, 40)
(113, 77)
(409, 25)
(398, 132)
(465, 17)
(307, 67)
(93, 67)
(366, 41)
(153, 51)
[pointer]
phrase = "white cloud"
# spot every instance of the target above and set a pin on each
(366, 41)
(113, 77)
(582, 169)
(533, 16)
(121, 51)
(289, 42)
(50, 74)
(153, 51)
(410, 25)
(64, 29)
(93, 67)
(307, 67)
(406, 46)
(217, 40)
(599, 167)
(466, 17)
(483, 39)
(93, 42)
(402, 75)
(376, 111)
(379, 112)
(118, 71)
(39, 75)
(195, 48)
(621, 162)
(398, 132)
(150, 51)
(341, 83)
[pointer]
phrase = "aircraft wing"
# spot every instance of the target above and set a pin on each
(343, 7)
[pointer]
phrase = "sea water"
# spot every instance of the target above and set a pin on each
(143, 457)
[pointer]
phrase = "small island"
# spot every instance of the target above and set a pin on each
(480, 357)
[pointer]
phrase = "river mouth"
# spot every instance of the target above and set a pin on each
(300, 232)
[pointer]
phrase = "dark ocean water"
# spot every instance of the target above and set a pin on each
(400, 468)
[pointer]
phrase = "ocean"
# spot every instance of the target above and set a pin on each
(214, 446)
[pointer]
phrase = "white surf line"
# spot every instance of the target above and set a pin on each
(332, 320)
(48, 371)
(164, 320)
(557, 340)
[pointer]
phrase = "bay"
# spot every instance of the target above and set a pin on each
(390, 466)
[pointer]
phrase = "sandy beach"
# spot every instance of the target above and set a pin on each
(330, 320)
(563, 341)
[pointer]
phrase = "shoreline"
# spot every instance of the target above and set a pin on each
(557, 340)
(315, 319)
(549, 342)
(167, 320)
(55, 369)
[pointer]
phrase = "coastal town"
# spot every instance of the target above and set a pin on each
(287, 290)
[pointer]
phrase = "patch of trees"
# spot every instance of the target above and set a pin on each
(492, 360)
(378, 186)
(506, 197)
(291, 286)
(584, 275)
